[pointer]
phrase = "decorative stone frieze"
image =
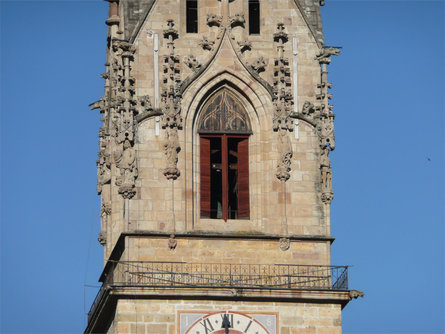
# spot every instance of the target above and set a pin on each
(171, 104)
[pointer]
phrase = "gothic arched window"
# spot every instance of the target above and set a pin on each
(224, 130)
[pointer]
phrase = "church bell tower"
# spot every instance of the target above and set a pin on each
(214, 170)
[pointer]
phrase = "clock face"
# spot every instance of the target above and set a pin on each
(227, 322)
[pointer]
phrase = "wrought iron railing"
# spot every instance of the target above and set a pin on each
(217, 275)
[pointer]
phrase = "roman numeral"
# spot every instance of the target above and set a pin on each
(248, 325)
(207, 326)
(227, 317)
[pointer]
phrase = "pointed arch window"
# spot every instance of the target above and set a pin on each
(224, 130)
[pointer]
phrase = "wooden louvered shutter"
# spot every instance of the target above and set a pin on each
(205, 177)
(243, 179)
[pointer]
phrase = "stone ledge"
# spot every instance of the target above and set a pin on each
(229, 235)
(98, 322)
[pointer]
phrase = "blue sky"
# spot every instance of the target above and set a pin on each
(387, 216)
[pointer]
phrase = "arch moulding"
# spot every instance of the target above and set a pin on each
(257, 103)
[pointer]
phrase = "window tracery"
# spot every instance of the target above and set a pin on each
(224, 129)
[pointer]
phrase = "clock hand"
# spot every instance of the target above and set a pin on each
(226, 323)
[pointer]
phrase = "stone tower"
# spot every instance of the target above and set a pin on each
(214, 170)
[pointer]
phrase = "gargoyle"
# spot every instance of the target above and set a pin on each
(99, 104)
(324, 57)
(356, 293)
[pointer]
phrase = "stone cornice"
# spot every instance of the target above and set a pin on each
(229, 235)
(111, 294)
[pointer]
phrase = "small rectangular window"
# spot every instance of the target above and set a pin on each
(192, 16)
(254, 17)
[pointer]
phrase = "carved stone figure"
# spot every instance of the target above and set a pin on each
(172, 242)
(326, 131)
(281, 118)
(214, 20)
(324, 57)
(356, 293)
(105, 211)
(325, 167)
(206, 44)
(284, 244)
(192, 62)
(126, 162)
(144, 103)
(103, 166)
(237, 19)
(259, 65)
(285, 151)
(245, 45)
(172, 149)
(308, 108)
(102, 238)
(327, 197)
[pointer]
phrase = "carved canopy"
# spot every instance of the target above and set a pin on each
(224, 113)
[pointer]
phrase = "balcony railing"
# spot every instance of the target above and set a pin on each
(220, 275)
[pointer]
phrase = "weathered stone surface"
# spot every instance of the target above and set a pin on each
(158, 80)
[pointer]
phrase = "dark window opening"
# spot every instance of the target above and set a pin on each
(215, 178)
(224, 130)
(224, 177)
(254, 17)
(192, 16)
